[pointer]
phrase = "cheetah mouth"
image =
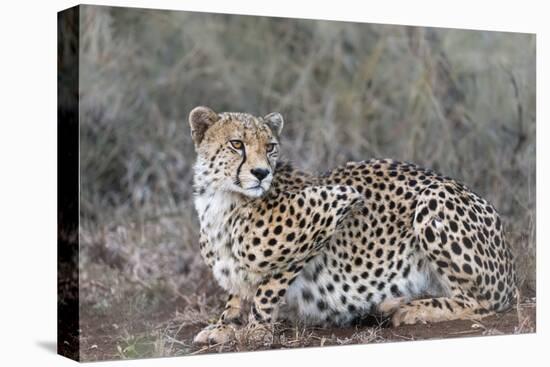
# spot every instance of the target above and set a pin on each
(256, 190)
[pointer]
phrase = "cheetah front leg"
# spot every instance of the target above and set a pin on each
(267, 300)
(434, 310)
(223, 330)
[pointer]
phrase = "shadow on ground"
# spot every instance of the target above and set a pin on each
(50, 346)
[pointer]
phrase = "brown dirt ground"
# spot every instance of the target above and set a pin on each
(105, 338)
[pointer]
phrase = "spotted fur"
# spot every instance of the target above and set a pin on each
(371, 237)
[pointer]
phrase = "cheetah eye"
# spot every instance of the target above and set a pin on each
(237, 144)
(271, 147)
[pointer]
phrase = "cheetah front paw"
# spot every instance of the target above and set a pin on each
(257, 333)
(215, 334)
(407, 316)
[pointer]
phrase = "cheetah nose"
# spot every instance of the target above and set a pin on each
(259, 173)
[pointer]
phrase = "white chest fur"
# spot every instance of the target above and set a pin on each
(214, 210)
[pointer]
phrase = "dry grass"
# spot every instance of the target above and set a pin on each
(461, 102)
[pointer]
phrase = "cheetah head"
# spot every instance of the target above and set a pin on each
(236, 152)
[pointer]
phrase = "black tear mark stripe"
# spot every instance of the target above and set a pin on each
(238, 181)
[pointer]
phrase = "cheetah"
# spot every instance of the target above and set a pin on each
(377, 237)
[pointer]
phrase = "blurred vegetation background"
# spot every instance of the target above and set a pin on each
(458, 101)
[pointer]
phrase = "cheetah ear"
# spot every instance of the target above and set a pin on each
(275, 122)
(200, 120)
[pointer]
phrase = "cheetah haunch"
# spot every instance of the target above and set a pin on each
(373, 237)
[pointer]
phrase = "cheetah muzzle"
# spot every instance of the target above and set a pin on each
(370, 237)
